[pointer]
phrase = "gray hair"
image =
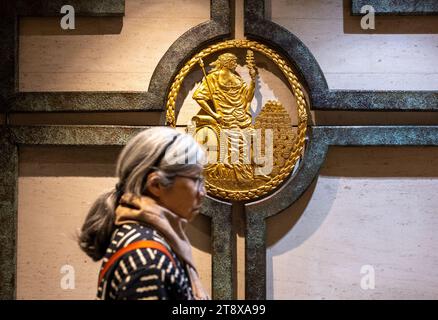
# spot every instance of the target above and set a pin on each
(175, 152)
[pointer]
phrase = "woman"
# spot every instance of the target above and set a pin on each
(138, 228)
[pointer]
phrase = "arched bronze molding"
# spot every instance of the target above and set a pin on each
(218, 27)
(322, 98)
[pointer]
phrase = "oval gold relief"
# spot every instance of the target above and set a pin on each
(249, 153)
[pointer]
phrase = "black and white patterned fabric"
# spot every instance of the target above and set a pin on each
(143, 274)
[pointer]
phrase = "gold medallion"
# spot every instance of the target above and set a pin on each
(250, 153)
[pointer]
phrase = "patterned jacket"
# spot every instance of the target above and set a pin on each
(143, 274)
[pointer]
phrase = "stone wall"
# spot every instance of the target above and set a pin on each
(369, 206)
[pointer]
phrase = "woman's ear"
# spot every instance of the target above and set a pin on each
(153, 184)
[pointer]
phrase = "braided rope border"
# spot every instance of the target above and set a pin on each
(296, 86)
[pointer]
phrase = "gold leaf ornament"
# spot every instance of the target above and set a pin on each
(222, 179)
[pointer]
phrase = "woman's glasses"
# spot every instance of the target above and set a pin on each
(198, 180)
